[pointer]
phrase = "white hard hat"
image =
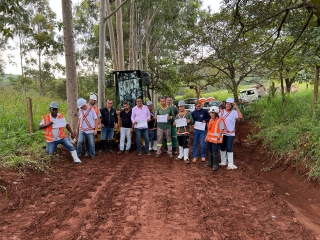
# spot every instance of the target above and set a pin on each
(93, 96)
(81, 102)
(54, 105)
(230, 100)
(214, 109)
(181, 103)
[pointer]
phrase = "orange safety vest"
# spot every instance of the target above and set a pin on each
(225, 125)
(214, 131)
(48, 130)
(84, 119)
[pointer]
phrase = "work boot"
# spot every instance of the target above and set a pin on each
(209, 163)
(174, 150)
(230, 161)
(120, 152)
(154, 146)
(75, 157)
(101, 145)
(186, 155)
(223, 158)
(215, 161)
(180, 153)
(110, 142)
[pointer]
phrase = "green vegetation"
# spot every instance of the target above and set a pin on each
(290, 132)
(18, 147)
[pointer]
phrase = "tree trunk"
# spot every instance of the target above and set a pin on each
(315, 89)
(132, 43)
(40, 75)
(112, 39)
(289, 83)
(21, 63)
(282, 86)
(120, 37)
(70, 56)
(102, 51)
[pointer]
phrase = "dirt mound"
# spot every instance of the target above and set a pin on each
(126, 197)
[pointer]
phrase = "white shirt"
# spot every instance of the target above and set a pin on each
(230, 121)
(92, 116)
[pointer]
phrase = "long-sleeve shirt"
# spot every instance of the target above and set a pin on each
(140, 114)
(200, 115)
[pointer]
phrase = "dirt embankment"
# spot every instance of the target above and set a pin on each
(126, 197)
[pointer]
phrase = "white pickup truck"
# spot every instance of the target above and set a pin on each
(253, 93)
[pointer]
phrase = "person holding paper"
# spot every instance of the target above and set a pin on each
(214, 137)
(173, 129)
(152, 126)
(53, 125)
(200, 117)
(183, 120)
(140, 118)
(164, 117)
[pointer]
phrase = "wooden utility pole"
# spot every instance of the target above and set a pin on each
(30, 119)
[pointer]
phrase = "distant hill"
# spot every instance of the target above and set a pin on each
(4, 79)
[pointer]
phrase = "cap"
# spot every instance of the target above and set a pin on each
(214, 109)
(93, 96)
(54, 105)
(81, 102)
(149, 103)
(230, 100)
(181, 103)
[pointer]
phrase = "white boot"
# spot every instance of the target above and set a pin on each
(180, 153)
(150, 146)
(230, 161)
(186, 155)
(223, 158)
(154, 146)
(75, 156)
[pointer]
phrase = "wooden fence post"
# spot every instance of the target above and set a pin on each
(30, 120)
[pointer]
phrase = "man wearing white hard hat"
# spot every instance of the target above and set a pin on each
(87, 127)
(53, 125)
(229, 116)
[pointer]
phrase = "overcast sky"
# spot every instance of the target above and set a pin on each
(56, 7)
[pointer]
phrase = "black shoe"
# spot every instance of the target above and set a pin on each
(110, 151)
(148, 153)
(215, 167)
(127, 151)
(120, 152)
(207, 165)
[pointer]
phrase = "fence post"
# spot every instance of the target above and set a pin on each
(30, 120)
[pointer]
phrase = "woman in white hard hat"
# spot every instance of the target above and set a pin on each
(229, 116)
(214, 137)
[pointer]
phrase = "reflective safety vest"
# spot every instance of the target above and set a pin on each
(84, 119)
(48, 130)
(214, 131)
(225, 125)
(185, 131)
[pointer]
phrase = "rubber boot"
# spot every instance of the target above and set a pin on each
(223, 158)
(170, 151)
(180, 153)
(154, 146)
(101, 145)
(209, 163)
(230, 161)
(186, 155)
(110, 143)
(150, 145)
(174, 150)
(215, 161)
(75, 157)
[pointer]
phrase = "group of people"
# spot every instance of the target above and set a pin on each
(165, 125)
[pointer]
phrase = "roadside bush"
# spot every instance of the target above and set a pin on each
(290, 130)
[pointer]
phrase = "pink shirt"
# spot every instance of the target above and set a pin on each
(140, 114)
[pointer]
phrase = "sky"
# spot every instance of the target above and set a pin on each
(56, 7)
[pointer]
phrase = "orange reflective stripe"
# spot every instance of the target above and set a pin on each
(225, 125)
(84, 119)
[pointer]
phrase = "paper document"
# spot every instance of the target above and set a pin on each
(181, 122)
(59, 122)
(200, 125)
(142, 124)
(162, 118)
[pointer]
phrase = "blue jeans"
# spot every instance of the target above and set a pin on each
(145, 133)
(213, 147)
(227, 143)
(107, 131)
(125, 133)
(51, 146)
(89, 138)
(199, 135)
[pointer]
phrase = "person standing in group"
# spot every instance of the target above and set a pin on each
(109, 120)
(164, 117)
(87, 127)
(152, 126)
(200, 117)
(53, 125)
(140, 118)
(173, 129)
(92, 103)
(229, 116)
(183, 121)
(214, 137)
(126, 128)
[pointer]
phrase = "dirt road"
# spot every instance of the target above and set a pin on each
(124, 197)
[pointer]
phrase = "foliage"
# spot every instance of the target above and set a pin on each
(290, 130)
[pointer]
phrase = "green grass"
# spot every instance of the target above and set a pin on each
(18, 147)
(290, 131)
